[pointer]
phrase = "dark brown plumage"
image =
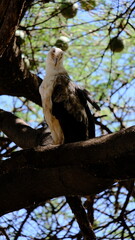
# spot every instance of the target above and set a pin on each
(70, 107)
(65, 105)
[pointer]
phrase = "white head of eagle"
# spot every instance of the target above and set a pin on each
(64, 104)
(54, 61)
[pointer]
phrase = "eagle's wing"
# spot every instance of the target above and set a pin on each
(89, 99)
(69, 106)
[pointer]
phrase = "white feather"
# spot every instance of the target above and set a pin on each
(46, 90)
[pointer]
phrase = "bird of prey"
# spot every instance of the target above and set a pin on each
(65, 105)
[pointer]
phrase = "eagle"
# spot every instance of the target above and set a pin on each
(65, 105)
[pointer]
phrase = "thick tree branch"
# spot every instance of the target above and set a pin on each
(15, 78)
(10, 14)
(33, 176)
(22, 134)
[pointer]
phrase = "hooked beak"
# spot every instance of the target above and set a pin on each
(55, 61)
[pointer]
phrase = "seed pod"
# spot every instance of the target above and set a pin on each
(20, 35)
(62, 43)
(69, 9)
(116, 44)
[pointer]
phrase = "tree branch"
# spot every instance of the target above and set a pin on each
(18, 80)
(10, 14)
(15, 78)
(81, 217)
(22, 134)
(33, 176)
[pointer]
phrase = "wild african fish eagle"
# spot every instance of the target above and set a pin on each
(65, 105)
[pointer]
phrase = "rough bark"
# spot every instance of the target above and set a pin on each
(33, 176)
(15, 78)
(10, 15)
(21, 133)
